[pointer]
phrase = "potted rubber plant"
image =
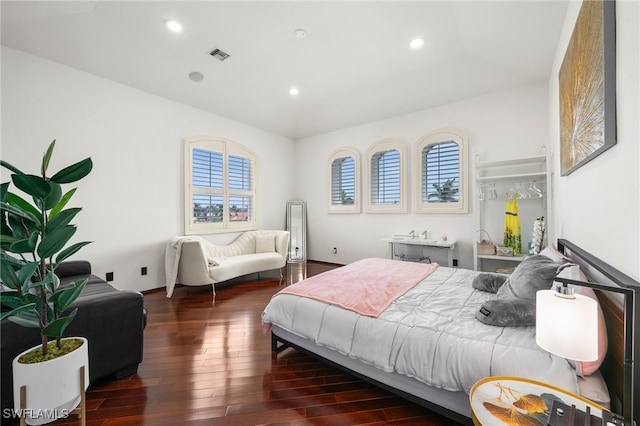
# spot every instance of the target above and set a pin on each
(34, 239)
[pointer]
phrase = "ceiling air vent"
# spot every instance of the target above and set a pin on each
(219, 54)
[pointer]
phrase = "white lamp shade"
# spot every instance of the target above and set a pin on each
(567, 327)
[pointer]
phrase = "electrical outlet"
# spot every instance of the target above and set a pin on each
(335, 250)
(143, 270)
(455, 262)
(109, 276)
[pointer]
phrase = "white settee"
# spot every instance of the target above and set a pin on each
(194, 261)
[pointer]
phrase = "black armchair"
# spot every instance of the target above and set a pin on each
(111, 320)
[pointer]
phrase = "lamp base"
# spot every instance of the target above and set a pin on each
(564, 415)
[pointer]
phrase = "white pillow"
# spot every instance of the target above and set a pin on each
(265, 243)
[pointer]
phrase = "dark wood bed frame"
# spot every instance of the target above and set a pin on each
(620, 372)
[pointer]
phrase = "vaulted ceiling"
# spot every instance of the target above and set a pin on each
(354, 64)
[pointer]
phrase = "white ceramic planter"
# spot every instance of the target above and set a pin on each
(53, 387)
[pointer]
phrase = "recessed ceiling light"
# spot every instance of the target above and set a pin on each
(196, 76)
(416, 43)
(173, 25)
(300, 33)
(294, 91)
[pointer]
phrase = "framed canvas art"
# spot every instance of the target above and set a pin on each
(588, 87)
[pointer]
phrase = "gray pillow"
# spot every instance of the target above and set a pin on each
(515, 302)
(507, 312)
(487, 281)
(532, 274)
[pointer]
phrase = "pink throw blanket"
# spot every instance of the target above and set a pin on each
(367, 286)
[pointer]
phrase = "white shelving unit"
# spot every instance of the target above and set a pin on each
(499, 178)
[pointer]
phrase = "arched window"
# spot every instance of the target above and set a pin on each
(440, 170)
(386, 177)
(220, 186)
(441, 184)
(344, 181)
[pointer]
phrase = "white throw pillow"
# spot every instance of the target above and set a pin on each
(265, 243)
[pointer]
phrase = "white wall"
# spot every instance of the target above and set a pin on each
(131, 211)
(597, 206)
(133, 200)
(500, 125)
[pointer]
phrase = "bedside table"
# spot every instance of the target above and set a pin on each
(505, 400)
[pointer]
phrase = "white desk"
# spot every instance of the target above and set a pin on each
(450, 245)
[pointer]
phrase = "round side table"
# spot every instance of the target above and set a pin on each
(505, 400)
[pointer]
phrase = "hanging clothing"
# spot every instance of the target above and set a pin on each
(512, 237)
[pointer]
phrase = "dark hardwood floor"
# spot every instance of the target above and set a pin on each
(207, 362)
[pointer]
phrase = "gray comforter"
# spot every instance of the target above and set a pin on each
(431, 333)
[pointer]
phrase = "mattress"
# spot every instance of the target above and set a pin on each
(429, 334)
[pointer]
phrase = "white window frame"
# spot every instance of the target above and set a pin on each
(227, 147)
(383, 146)
(433, 138)
(339, 155)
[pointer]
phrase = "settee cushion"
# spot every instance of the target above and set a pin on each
(235, 266)
(265, 243)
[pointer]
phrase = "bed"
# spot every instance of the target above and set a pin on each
(425, 343)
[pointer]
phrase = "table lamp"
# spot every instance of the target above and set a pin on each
(567, 326)
(567, 323)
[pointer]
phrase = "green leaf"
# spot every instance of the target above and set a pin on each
(5, 229)
(20, 226)
(18, 310)
(10, 167)
(26, 319)
(71, 250)
(63, 202)
(52, 282)
(61, 219)
(34, 297)
(17, 211)
(11, 299)
(23, 204)
(54, 197)
(54, 242)
(47, 157)
(34, 238)
(56, 327)
(68, 295)
(26, 272)
(22, 246)
(50, 315)
(8, 261)
(25, 245)
(33, 185)
(74, 172)
(8, 240)
(4, 190)
(36, 284)
(8, 275)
